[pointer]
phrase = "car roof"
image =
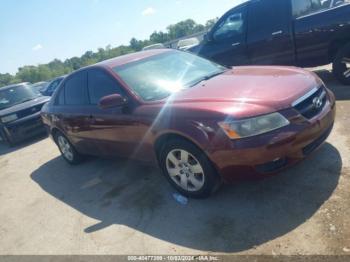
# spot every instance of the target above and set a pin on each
(126, 59)
(39, 83)
(240, 4)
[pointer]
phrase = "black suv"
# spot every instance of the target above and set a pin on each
(20, 109)
(304, 33)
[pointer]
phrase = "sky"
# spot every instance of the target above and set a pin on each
(35, 32)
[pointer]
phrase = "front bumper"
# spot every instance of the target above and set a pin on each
(23, 128)
(274, 151)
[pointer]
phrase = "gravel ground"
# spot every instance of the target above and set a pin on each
(120, 207)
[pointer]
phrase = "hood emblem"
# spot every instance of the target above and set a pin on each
(33, 109)
(317, 102)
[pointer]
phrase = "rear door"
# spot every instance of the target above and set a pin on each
(269, 38)
(317, 23)
(227, 40)
(74, 110)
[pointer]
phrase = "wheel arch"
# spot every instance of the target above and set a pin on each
(54, 132)
(335, 46)
(166, 136)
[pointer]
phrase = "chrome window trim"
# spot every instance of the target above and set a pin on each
(304, 97)
(319, 12)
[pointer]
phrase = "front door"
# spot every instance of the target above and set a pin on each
(226, 43)
(115, 131)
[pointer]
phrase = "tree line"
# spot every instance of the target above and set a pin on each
(55, 68)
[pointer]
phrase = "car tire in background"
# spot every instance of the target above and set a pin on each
(188, 169)
(341, 65)
(68, 152)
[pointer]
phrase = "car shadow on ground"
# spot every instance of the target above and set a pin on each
(341, 92)
(6, 149)
(237, 218)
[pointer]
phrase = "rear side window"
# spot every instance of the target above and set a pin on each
(306, 7)
(101, 84)
(262, 23)
(76, 89)
(340, 2)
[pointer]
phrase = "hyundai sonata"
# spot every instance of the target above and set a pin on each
(200, 122)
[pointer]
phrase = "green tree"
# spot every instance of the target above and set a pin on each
(6, 79)
(159, 37)
(210, 23)
(184, 28)
(137, 45)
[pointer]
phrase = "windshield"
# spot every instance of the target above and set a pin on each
(158, 77)
(16, 95)
(188, 42)
(38, 87)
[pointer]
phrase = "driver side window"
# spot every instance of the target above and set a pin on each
(100, 84)
(306, 7)
(231, 26)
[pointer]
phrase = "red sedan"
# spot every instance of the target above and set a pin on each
(201, 122)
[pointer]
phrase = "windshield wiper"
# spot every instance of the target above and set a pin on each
(205, 78)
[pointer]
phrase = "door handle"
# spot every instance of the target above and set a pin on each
(236, 44)
(277, 33)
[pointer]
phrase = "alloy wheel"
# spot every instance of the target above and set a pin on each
(65, 148)
(185, 170)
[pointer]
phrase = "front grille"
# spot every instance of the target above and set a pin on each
(313, 104)
(29, 111)
(26, 127)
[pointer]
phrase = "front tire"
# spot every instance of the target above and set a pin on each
(188, 169)
(341, 65)
(67, 150)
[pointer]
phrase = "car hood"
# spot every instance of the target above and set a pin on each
(16, 108)
(249, 90)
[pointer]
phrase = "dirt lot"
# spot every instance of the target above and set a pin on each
(119, 207)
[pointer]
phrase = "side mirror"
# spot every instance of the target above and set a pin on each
(208, 37)
(112, 101)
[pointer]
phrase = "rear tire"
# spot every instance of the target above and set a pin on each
(341, 65)
(188, 169)
(68, 152)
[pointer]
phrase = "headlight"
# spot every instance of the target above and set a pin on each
(9, 118)
(253, 126)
